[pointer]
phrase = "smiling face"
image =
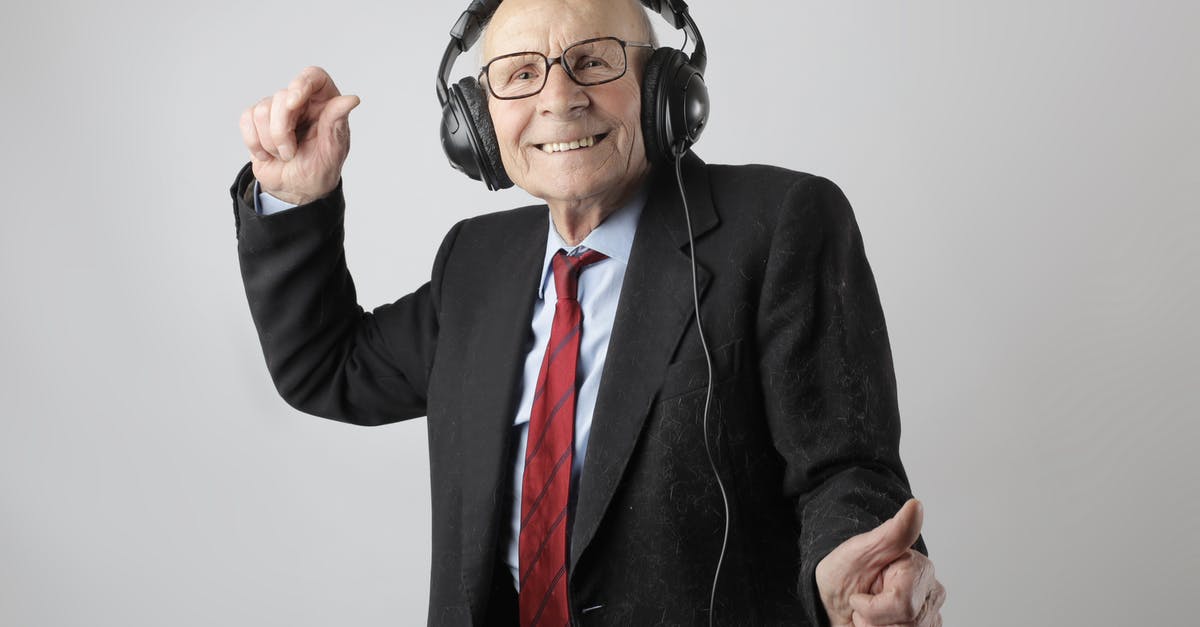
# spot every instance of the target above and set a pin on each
(604, 121)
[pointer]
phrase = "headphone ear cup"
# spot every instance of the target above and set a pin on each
(481, 132)
(655, 82)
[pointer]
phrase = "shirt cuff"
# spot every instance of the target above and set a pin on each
(266, 204)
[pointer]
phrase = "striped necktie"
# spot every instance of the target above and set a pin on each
(548, 455)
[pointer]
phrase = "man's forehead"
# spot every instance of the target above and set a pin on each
(549, 25)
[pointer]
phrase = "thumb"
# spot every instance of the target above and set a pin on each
(887, 542)
(336, 117)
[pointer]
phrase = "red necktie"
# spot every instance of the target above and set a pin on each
(548, 455)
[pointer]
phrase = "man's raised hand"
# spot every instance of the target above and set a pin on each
(875, 578)
(299, 138)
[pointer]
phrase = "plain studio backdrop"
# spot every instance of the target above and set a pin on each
(1024, 174)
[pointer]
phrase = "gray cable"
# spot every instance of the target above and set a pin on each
(712, 598)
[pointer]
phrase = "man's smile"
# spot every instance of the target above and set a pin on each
(573, 144)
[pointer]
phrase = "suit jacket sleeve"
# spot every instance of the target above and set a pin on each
(326, 355)
(827, 377)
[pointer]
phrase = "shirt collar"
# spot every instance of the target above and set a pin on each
(613, 236)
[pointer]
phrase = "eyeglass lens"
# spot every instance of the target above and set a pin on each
(587, 63)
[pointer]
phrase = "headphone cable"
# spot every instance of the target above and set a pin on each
(712, 598)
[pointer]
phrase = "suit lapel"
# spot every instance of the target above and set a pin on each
(654, 309)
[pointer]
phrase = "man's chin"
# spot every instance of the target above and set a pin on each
(568, 193)
(567, 184)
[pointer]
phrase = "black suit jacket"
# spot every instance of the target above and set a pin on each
(803, 421)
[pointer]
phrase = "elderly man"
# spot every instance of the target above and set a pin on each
(775, 503)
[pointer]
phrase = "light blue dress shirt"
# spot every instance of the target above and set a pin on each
(598, 292)
(266, 204)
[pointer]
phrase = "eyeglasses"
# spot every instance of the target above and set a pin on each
(588, 62)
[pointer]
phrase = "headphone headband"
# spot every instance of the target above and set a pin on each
(676, 12)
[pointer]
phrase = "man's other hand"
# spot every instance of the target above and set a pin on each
(299, 137)
(875, 578)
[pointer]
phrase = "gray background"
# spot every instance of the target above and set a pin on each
(1024, 174)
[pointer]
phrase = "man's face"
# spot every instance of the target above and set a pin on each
(565, 111)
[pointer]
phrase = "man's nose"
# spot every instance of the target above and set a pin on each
(561, 96)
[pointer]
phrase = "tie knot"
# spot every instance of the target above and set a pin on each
(567, 270)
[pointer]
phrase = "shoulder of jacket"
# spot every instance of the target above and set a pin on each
(768, 178)
(772, 193)
(500, 225)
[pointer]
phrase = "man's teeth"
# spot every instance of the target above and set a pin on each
(571, 145)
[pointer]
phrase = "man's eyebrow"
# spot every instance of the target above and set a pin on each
(540, 49)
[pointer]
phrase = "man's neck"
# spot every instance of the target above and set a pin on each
(575, 219)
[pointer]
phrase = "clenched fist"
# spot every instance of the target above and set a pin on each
(299, 138)
(874, 578)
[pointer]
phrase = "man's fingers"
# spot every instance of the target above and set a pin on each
(889, 607)
(937, 598)
(312, 81)
(912, 595)
(930, 613)
(262, 126)
(250, 135)
(904, 593)
(289, 105)
(283, 124)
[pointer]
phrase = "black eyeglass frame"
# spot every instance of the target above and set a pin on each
(483, 71)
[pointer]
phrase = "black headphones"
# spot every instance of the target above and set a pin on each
(674, 97)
